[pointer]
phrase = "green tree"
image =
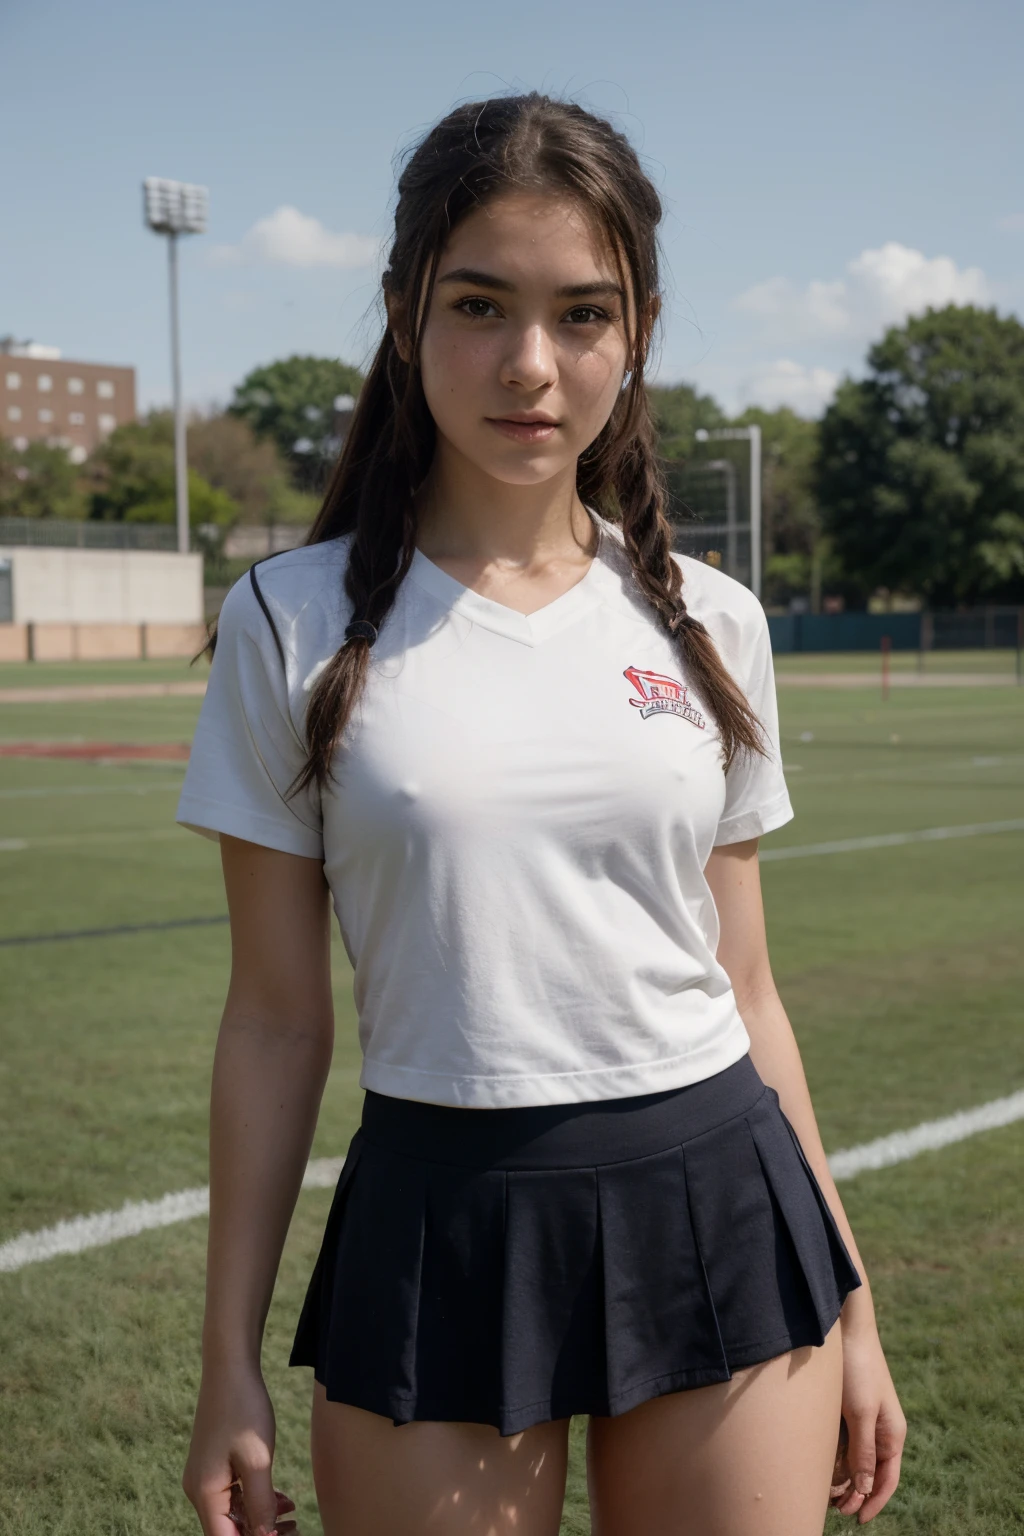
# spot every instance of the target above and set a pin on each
(39, 481)
(678, 411)
(130, 478)
(226, 452)
(921, 470)
(291, 402)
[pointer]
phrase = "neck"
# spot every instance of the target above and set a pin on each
(464, 513)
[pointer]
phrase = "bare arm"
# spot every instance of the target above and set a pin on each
(870, 1406)
(272, 1059)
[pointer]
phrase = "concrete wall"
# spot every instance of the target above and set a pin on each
(99, 642)
(105, 586)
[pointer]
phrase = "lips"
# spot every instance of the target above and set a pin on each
(525, 428)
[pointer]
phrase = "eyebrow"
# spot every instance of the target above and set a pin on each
(478, 279)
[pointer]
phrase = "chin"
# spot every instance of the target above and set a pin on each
(522, 467)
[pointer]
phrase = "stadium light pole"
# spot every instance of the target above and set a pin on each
(174, 208)
(752, 435)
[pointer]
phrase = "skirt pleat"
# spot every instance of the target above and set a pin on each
(550, 1289)
(512, 1295)
(660, 1324)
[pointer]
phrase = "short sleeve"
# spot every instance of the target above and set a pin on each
(756, 797)
(247, 749)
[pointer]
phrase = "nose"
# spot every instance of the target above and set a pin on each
(529, 362)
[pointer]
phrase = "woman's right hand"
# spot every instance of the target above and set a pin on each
(228, 1472)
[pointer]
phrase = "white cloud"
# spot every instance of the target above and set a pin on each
(881, 287)
(1013, 223)
(288, 238)
(817, 310)
(784, 382)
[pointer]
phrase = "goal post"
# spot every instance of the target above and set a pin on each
(715, 502)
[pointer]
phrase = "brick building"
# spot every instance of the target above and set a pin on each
(44, 397)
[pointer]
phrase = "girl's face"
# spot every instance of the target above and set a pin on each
(524, 347)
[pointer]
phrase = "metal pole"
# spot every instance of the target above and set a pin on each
(727, 469)
(180, 452)
(755, 509)
(730, 515)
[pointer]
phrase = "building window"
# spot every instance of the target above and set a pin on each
(45, 415)
(14, 413)
(21, 443)
(107, 423)
(14, 381)
(45, 383)
(76, 419)
(75, 387)
(104, 389)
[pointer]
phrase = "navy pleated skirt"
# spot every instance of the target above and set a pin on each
(512, 1266)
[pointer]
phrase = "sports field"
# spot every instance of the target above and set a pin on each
(901, 965)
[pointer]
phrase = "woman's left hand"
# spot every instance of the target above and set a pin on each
(873, 1429)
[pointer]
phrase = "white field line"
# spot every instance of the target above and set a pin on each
(47, 792)
(891, 840)
(136, 1216)
(927, 1137)
(800, 851)
(82, 839)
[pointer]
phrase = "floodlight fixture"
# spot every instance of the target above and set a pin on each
(174, 208)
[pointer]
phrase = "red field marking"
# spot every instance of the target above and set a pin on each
(127, 751)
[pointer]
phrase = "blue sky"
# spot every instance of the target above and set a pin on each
(826, 168)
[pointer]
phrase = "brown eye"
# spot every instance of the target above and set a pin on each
(477, 309)
(585, 314)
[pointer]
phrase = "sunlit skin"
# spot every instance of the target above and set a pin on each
(524, 350)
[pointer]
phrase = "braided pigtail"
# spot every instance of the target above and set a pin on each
(386, 455)
(647, 535)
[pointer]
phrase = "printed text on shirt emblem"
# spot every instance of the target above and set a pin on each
(661, 695)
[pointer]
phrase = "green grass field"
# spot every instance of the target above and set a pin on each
(902, 969)
(1003, 661)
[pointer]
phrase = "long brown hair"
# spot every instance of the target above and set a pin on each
(474, 154)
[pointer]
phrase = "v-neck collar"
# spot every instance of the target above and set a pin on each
(528, 629)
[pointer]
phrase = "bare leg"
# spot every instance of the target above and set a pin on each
(748, 1457)
(373, 1479)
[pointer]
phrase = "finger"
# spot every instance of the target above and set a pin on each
(259, 1498)
(213, 1506)
(850, 1504)
(861, 1455)
(887, 1476)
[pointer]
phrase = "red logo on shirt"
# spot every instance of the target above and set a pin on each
(661, 695)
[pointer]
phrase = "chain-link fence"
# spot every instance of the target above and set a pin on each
(56, 533)
(709, 508)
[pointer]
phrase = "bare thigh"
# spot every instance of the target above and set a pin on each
(375, 1479)
(748, 1457)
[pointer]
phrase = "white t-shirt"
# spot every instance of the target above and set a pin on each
(522, 813)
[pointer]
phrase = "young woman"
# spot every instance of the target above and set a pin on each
(528, 752)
